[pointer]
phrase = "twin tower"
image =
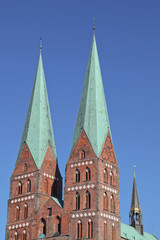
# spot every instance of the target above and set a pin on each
(91, 206)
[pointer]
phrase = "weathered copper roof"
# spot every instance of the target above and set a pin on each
(93, 116)
(38, 132)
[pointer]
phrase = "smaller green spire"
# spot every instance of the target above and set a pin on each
(92, 115)
(38, 132)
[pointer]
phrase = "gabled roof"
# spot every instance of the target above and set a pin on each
(135, 200)
(129, 233)
(38, 132)
(93, 116)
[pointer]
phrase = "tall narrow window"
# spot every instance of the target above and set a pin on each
(88, 174)
(24, 234)
(46, 186)
(90, 228)
(105, 201)
(113, 232)
(82, 154)
(17, 212)
(50, 211)
(28, 185)
(25, 210)
(111, 178)
(25, 167)
(77, 201)
(16, 235)
(79, 229)
(59, 224)
(112, 204)
(105, 231)
(43, 221)
(20, 187)
(77, 175)
(106, 175)
(88, 199)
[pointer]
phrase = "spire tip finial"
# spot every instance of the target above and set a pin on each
(40, 45)
(94, 28)
(134, 166)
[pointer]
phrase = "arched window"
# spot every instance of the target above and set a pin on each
(112, 204)
(88, 174)
(77, 201)
(24, 234)
(106, 175)
(28, 185)
(25, 167)
(77, 175)
(46, 186)
(88, 199)
(16, 235)
(17, 212)
(20, 187)
(113, 232)
(90, 228)
(105, 231)
(25, 210)
(79, 229)
(82, 154)
(105, 201)
(111, 178)
(43, 221)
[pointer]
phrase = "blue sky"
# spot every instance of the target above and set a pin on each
(128, 41)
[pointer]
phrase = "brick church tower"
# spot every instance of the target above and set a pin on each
(36, 178)
(91, 194)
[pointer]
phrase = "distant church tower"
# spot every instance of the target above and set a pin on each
(135, 215)
(91, 194)
(36, 176)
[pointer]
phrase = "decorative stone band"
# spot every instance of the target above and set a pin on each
(50, 176)
(17, 200)
(12, 227)
(24, 176)
(109, 189)
(80, 187)
(90, 214)
(108, 165)
(81, 164)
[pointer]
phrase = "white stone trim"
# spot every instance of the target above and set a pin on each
(50, 176)
(17, 200)
(109, 189)
(110, 217)
(85, 214)
(109, 166)
(82, 163)
(12, 227)
(80, 187)
(28, 175)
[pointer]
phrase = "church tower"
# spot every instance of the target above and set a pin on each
(135, 216)
(36, 177)
(91, 194)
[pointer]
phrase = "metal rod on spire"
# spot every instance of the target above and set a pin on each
(40, 45)
(134, 166)
(94, 28)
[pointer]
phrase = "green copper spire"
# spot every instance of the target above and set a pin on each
(93, 116)
(38, 132)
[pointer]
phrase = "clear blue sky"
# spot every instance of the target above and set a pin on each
(128, 40)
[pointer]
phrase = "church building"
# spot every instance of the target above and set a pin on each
(91, 205)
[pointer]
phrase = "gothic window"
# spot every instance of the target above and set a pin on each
(24, 234)
(113, 233)
(77, 201)
(112, 204)
(82, 154)
(25, 210)
(105, 201)
(79, 229)
(43, 221)
(106, 175)
(77, 175)
(111, 178)
(20, 187)
(17, 212)
(16, 235)
(25, 167)
(28, 185)
(59, 224)
(88, 174)
(88, 200)
(46, 186)
(90, 228)
(105, 230)
(49, 211)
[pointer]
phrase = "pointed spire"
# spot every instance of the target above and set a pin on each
(135, 200)
(38, 132)
(93, 116)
